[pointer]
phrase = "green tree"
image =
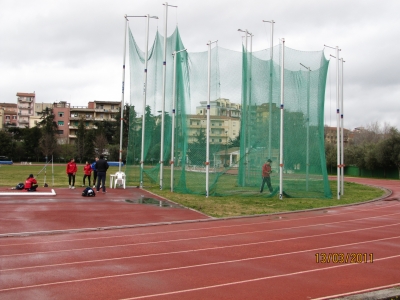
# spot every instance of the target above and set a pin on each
(31, 143)
(197, 150)
(48, 141)
(6, 143)
(80, 140)
(388, 151)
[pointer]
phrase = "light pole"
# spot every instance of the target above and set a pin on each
(270, 87)
(144, 98)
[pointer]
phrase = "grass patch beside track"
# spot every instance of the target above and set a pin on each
(235, 205)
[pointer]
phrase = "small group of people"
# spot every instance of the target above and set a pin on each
(99, 168)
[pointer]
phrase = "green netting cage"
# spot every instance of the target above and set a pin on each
(245, 114)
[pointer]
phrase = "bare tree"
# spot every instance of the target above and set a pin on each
(100, 142)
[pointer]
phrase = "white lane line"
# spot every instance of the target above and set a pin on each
(25, 193)
(190, 267)
(204, 249)
(208, 228)
(206, 237)
(361, 291)
(250, 280)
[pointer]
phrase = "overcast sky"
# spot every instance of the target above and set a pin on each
(69, 50)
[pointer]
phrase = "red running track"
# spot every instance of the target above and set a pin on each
(268, 257)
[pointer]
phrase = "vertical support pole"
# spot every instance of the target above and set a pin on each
(308, 131)
(281, 127)
(337, 123)
(122, 98)
(270, 88)
(163, 98)
(208, 119)
(144, 102)
(172, 161)
(342, 126)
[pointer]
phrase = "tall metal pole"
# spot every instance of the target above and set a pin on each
(337, 120)
(281, 123)
(172, 161)
(308, 127)
(338, 123)
(208, 118)
(163, 96)
(122, 98)
(144, 99)
(270, 87)
(342, 128)
(246, 112)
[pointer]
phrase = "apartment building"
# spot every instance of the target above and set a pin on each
(8, 114)
(67, 117)
(26, 106)
(224, 121)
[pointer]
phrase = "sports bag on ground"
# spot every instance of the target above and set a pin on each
(88, 192)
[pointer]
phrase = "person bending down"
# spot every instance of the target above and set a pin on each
(31, 184)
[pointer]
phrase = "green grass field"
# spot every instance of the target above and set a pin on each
(235, 205)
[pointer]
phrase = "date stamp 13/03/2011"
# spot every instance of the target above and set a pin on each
(344, 258)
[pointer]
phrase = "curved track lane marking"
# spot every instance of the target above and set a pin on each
(221, 247)
(207, 228)
(212, 236)
(195, 266)
(205, 237)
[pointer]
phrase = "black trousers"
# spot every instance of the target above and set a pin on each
(268, 181)
(101, 180)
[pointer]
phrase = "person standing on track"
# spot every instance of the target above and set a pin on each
(101, 167)
(93, 166)
(87, 171)
(71, 172)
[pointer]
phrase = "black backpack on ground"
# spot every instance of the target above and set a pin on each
(88, 192)
(20, 186)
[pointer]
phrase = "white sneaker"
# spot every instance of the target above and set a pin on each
(94, 186)
(69, 186)
(73, 187)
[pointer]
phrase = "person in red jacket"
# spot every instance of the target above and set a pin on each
(87, 170)
(266, 171)
(71, 172)
(31, 184)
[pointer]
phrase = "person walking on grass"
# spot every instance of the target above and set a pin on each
(101, 167)
(266, 171)
(87, 170)
(93, 166)
(71, 172)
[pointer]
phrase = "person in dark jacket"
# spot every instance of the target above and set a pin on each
(93, 166)
(101, 167)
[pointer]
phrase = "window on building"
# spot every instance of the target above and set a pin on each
(61, 114)
(212, 140)
(7, 117)
(101, 116)
(60, 123)
(60, 131)
(14, 117)
(220, 140)
(112, 106)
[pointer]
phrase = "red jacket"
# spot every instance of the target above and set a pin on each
(87, 169)
(71, 167)
(29, 182)
(266, 170)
